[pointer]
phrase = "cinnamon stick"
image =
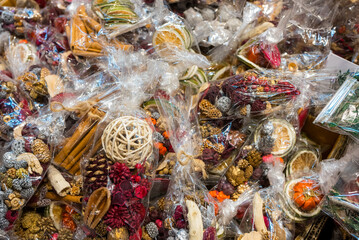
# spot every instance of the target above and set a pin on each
(82, 129)
(74, 199)
(92, 23)
(75, 169)
(68, 162)
(86, 54)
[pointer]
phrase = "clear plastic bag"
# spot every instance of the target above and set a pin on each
(247, 94)
(340, 114)
(25, 163)
(308, 34)
(15, 108)
(221, 142)
(190, 212)
(341, 203)
(57, 220)
(265, 218)
(346, 33)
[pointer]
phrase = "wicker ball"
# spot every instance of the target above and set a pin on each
(127, 140)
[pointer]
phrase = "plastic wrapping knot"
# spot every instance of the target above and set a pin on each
(80, 109)
(198, 164)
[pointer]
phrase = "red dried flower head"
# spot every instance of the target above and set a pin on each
(119, 172)
(116, 216)
(178, 215)
(122, 193)
(209, 234)
(141, 192)
(138, 213)
(181, 224)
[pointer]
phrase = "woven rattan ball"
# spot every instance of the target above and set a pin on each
(127, 140)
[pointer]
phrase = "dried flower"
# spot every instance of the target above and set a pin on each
(141, 191)
(119, 172)
(209, 234)
(116, 216)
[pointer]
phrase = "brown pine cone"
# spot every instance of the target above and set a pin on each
(47, 225)
(161, 204)
(235, 176)
(101, 229)
(96, 172)
(65, 234)
(254, 158)
(248, 172)
(242, 163)
(243, 111)
(41, 151)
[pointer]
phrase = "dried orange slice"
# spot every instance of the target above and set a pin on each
(302, 161)
(283, 134)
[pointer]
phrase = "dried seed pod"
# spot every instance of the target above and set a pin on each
(97, 206)
(96, 173)
(41, 151)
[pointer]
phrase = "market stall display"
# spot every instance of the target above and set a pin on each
(178, 119)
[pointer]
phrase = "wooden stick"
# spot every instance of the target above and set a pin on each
(53, 196)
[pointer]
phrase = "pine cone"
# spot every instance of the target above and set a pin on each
(65, 234)
(243, 111)
(235, 176)
(41, 151)
(47, 226)
(101, 229)
(248, 172)
(254, 158)
(161, 204)
(96, 172)
(242, 163)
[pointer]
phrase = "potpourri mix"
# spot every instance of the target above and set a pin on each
(179, 120)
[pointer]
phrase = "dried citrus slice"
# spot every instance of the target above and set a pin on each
(302, 161)
(166, 38)
(55, 212)
(283, 134)
(284, 137)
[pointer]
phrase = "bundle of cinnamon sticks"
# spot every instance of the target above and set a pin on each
(85, 35)
(80, 143)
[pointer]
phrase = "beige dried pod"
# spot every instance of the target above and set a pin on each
(33, 163)
(195, 223)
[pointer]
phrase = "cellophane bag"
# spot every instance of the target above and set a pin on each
(121, 157)
(20, 55)
(58, 220)
(308, 34)
(25, 161)
(262, 51)
(341, 200)
(346, 31)
(190, 210)
(214, 25)
(340, 113)
(14, 106)
(264, 218)
(245, 95)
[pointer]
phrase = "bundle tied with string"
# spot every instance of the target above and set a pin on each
(127, 140)
(197, 164)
